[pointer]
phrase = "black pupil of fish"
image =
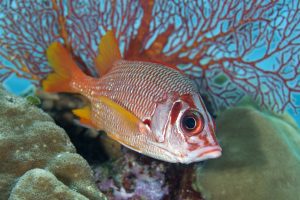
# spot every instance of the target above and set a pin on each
(189, 122)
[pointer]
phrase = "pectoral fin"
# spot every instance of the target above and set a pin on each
(133, 123)
(127, 117)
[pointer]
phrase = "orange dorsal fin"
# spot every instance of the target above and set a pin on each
(64, 69)
(109, 52)
(84, 115)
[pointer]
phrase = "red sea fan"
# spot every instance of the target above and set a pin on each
(231, 48)
(26, 29)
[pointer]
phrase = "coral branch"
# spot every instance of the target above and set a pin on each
(61, 23)
(231, 48)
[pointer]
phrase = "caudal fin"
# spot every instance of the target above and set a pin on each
(64, 67)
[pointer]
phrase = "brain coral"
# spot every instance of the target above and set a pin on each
(261, 158)
(29, 140)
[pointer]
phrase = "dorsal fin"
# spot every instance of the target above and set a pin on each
(109, 52)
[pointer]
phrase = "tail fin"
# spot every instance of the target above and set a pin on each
(65, 69)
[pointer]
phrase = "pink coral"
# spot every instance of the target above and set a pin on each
(231, 48)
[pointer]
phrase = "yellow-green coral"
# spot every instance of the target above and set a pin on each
(29, 139)
(36, 184)
(260, 158)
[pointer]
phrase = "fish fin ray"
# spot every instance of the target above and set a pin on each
(64, 69)
(133, 123)
(122, 112)
(109, 52)
(84, 115)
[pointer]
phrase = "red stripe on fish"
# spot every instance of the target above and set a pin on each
(175, 112)
(140, 104)
(188, 98)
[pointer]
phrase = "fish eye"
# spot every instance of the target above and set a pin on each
(192, 122)
(189, 122)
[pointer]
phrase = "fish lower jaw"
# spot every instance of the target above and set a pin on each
(197, 155)
(201, 155)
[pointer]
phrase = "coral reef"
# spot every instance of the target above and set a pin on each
(29, 140)
(130, 178)
(261, 157)
(137, 177)
(89, 143)
(35, 184)
(125, 173)
(232, 48)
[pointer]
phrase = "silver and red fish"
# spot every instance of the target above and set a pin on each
(149, 107)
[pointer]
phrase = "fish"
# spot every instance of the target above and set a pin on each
(149, 107)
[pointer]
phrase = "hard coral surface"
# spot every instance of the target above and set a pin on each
(126, 175)
(29, 139)
(88, 142)
(36, 184)
(261, 158)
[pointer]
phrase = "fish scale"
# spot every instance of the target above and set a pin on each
(148, 107)
(145, 80)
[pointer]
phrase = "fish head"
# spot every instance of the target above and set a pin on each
(184, 130)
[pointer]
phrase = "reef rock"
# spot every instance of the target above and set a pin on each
(29, 139)
(261, 158)
(36, 184)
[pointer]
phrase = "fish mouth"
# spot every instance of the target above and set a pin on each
(202, 154)
(211, 153)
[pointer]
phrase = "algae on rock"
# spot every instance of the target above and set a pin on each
(29, 139)
(261, 158)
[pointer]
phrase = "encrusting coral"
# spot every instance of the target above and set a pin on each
(38, 161)
(261, 158)
(42, 181)
(94, 146)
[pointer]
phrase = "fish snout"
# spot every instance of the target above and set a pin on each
(201, 154)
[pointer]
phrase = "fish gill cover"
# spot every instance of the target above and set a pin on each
(231, 48)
